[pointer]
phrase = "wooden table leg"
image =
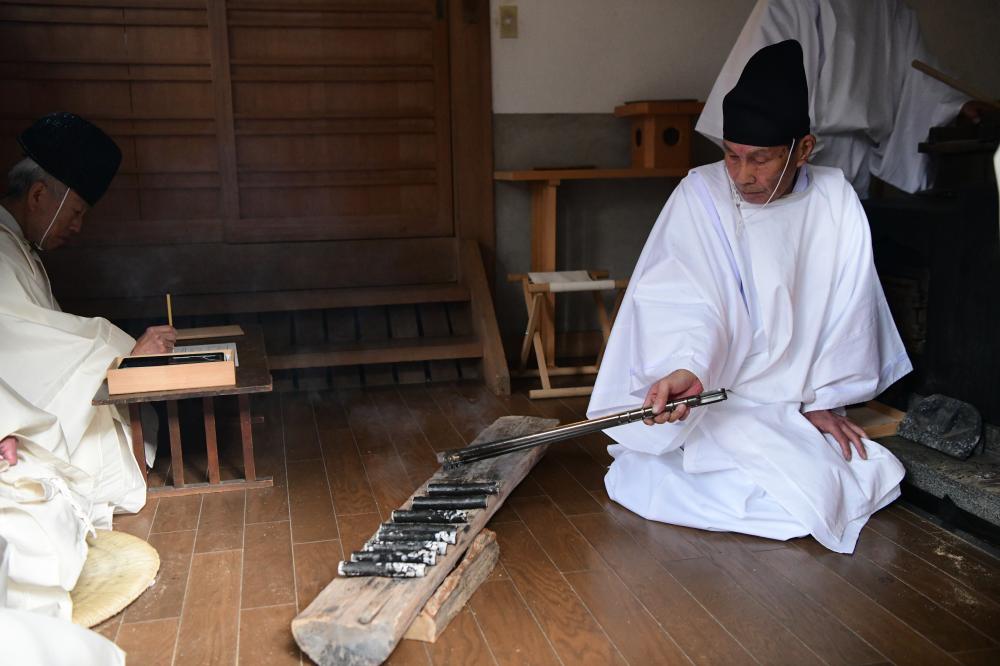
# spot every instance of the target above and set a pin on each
(138, 443)
(543, 253)
(211, 446)
(176, 457)
(246, 430)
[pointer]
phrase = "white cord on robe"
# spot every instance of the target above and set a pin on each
(38, 246)
(738, 199)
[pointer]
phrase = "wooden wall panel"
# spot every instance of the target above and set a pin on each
(248, 125)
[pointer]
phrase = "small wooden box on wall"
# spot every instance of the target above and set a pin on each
(661, 132)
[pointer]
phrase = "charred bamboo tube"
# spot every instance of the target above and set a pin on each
(428, 557)
(383, 569)
(376, 545)
(457, 502)
(445, 489)
(456, 457)
(393, 533)
(429, 516)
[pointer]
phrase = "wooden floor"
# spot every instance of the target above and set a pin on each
(581, 580)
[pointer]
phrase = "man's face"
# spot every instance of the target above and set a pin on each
(755, 170)
(43, 202)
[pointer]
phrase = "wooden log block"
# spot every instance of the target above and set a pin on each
(457, 588)
(360, 620)
(877, 420)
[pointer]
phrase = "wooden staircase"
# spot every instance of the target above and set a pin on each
(354, 336)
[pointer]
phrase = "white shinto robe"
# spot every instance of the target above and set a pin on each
(56, 361)
(28, 638)
(869, 107)
(45, 513)
(782, 307)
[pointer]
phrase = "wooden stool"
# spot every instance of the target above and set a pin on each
(538, 289)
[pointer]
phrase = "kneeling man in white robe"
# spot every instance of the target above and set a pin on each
(757, 277)
(54, 360)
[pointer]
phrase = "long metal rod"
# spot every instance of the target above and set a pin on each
(455, 457)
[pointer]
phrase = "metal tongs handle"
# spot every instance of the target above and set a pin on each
(469, 454)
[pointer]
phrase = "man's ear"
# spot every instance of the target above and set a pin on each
(804, 150)
(34, 197)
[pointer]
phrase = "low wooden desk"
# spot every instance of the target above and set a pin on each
(252, 376)
(544, 185)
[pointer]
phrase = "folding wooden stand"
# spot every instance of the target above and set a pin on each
(538, 289)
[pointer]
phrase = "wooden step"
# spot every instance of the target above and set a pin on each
(381, 351)
(275, 301)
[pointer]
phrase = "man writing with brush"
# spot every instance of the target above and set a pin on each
(54, 360)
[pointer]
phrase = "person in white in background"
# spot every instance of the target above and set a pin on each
(757, 277)
(869, 107)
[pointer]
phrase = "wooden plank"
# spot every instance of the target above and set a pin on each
(209, 332)
(222, 90)
(403, 326)
(876, 419)
(484, 321)
(220, 268)
(471, 105)
(531, 175)
(387, 351)
(273, 301)
(373, 327)
(457, 588)
(360, 621)
(434, 323)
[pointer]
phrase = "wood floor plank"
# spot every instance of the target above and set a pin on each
(959, 559)
(884, 632)
(209, 624)
(411, 444)
(268, 576)
(767, 639)
(149, 643)
(266, 637)
(177, 514)
(109, 628)
(391, 485)
(821, 632)
(355, 529)
(637, 635)
(565, 491)
(964, 602)
(569, 626)
(979, 657)
(221, 523)
(511, 631)
(345, 472)
(665, 542)
(468, 412)
(315, 567)
(409, 653)
(920, 612)
(560, 540)
(460, 643)
(438, 430)
(366, 423)
(137, 524)
(165, 597)
(301, 441)
(309, 502)
(694, 629)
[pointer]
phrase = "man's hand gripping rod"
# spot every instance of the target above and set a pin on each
(457, 457)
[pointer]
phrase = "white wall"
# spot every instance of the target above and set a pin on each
(587, 56)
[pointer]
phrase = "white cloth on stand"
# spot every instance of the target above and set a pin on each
(786, 311)
(869, 107)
